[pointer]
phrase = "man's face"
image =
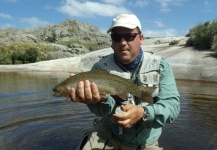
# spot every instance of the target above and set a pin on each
(126, 48)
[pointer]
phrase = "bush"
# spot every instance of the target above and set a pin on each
(174, 42)
(30, 56)
(202, 35)
(214, 44)
(6, 51)
(14, 57)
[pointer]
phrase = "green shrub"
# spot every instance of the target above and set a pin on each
(51, 39)
(174, 42)
(202, 35)
(14, 57)
(214, 44)
(4, 60)
(29, 56)
(19, 48)
(42, 56)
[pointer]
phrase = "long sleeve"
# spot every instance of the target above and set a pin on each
(167, 106)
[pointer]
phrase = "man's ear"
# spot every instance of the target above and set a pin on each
(141, 38)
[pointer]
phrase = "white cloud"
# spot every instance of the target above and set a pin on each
(206, 8)
(48, 7)
(90, 9)
(140, 3)
(159, 23)
(116, 2)
(6, 16)
(33, 22)
(160, 33)
(164, 4)
(206, 3)
(11, 0)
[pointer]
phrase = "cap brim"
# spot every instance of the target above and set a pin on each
(124, 25)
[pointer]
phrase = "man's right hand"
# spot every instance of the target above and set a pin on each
(87, 93)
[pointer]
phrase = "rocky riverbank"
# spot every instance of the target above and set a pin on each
(186, 62)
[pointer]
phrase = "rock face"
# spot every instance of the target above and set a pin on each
(71, 37)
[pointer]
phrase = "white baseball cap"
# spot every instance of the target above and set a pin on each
(125, 20)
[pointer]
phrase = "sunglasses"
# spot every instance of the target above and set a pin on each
(127, 37)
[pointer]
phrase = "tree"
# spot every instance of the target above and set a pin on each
(30, 55)
(14, 57)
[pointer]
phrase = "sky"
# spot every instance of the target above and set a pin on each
(158, 17)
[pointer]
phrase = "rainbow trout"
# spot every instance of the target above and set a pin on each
(107, 83)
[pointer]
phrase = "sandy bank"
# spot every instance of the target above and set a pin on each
(186, 62)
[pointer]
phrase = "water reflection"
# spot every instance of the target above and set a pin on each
(31, 118)
(196, 127)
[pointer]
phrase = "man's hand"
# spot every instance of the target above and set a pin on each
(86, 92)
(133, 114)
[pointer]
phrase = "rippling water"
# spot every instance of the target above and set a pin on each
(31, 118)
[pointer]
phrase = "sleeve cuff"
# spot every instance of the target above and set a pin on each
(149, 113)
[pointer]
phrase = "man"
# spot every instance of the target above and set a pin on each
(128, 122)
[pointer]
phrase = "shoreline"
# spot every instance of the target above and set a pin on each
(187, 63)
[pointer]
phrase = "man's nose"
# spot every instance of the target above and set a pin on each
(123, 41)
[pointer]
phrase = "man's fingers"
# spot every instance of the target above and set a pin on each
(80, 90)
(87, 93)
(87, 90)
(124, 123)
(72, 95)
(95, 92)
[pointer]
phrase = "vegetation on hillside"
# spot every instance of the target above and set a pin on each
(30, 56)
(25, 47)
(22, 52)
(203, 36)
(67, 39)
(174, 42)
(91, 46)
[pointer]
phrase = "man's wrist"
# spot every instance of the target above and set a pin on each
(145, 115)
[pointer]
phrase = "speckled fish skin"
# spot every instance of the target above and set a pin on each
(107, 83)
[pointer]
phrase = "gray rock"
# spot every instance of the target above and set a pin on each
(22, 37)
(70, 37)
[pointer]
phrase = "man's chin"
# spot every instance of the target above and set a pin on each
(125, 61)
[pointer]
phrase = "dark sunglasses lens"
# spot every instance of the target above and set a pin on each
(116, 37)
(128, 37)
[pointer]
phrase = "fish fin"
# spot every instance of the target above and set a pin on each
(67, 97)
(100, 69)
(125, 75)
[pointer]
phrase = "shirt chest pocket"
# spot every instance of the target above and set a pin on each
(150, 79)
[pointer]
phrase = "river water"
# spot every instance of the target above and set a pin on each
(31, 118)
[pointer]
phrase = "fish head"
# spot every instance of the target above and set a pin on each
(61, 91)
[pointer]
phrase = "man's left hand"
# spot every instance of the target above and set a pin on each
(133, 114)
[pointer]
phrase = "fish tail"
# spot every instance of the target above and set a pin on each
(145, 94)
(146, 98)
